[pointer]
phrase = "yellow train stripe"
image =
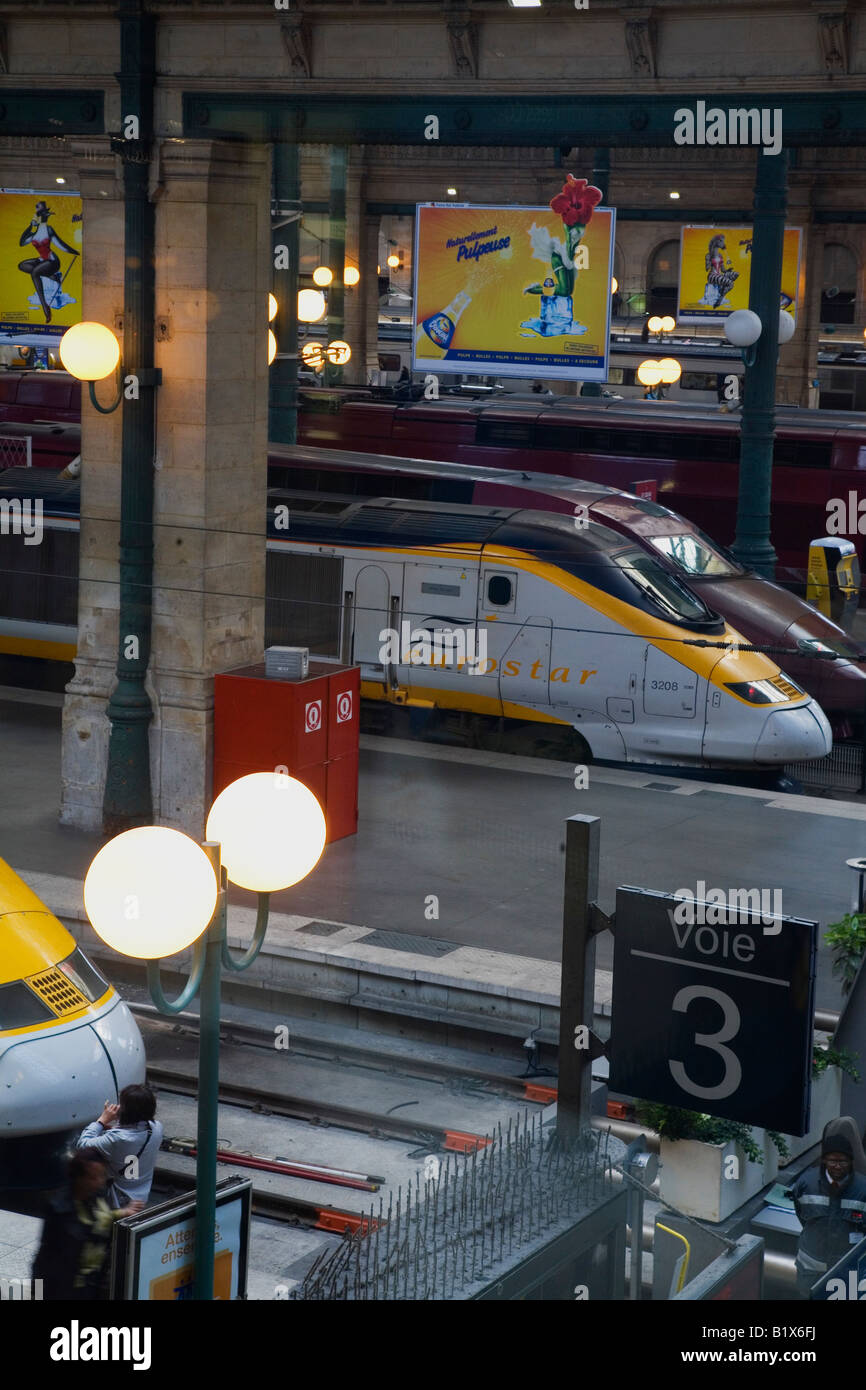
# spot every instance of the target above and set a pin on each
(466, 700)
(29, 646)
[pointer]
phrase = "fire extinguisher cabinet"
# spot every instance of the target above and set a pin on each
(308, 728)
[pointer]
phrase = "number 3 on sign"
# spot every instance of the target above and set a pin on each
(714, 1041)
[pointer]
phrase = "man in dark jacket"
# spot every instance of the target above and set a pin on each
(830, 1201)
(73, 1256)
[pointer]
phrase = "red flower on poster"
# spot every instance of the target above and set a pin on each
(576, 201)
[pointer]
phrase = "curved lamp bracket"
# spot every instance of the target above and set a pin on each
(189, 990)
(258, 937)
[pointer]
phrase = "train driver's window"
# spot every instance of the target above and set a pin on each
(499, 591)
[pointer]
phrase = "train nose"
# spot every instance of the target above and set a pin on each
(794, 735)
(59, 1079)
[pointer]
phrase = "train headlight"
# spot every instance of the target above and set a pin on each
(763, 692)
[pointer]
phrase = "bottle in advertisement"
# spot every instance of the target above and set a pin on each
(435, 334)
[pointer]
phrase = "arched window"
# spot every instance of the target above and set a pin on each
(663, 279)
(839, 286)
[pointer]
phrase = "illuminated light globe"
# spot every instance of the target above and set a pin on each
(273, 306)
(322, 276)
(272, 346)
(150, 892)
(338, 352)
(351, 275)
(393, 261)
(313, 356)
(271, 831)
(668, 324)
(311, 306)
(655, 324)
(89, 351)
(787, 327)
(649, 373)
(670, 369)
(614, 285)
(743, 328)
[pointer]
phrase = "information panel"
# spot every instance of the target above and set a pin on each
(154, 1252)
(40, 265)
(713, 1007)
(514, 291)
(716, 269)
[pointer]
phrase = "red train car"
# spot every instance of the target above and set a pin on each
(692, 452)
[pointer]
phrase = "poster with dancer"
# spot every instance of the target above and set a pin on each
(715, 272)
(40, 265)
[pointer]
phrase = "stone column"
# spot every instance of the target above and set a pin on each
(213, 276)
(85, 723)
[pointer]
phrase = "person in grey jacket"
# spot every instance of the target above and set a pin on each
(129, 1138)
(830, 1201)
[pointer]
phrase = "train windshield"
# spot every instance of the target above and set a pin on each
(696, 554)
(661, 588)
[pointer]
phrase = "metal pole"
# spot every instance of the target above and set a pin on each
(752, 546)
(582, 838)
(127, 799)
(285, 201)
(601, 172)
(208, 1089)
(336, 254)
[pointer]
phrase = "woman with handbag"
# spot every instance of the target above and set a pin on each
(129, 1138)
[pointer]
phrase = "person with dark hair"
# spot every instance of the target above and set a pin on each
(830, 1202)
(128, 1137)
(73, 1255)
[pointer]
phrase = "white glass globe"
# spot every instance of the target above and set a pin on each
(272, 346)
(351, 275)
(150, 892)
(649, 373)
(338, 352)
(311, 306)
(273, 306)
(669, 323)
(655, 324)
(787, 326)
(743, 328)
(271, 831)
(670, 369)
(89, 351)
(322, 276)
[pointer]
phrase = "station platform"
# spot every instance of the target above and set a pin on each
(464, 849)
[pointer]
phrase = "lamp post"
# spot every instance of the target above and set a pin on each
(153, 891)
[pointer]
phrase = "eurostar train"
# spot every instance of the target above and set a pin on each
(524, 614)
(577, 626)
(68, 1042)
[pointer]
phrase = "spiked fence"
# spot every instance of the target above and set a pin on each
(482, 1212)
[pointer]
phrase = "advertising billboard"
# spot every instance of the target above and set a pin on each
(715, 272)
(40, 265)
(153, 1258)
(515, 291)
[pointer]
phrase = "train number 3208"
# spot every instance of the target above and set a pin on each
(665, 685)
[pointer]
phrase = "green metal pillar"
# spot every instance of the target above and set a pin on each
(752, 546)
(336, 253)
(208, 1088)
(286, 215)
(601, 172)
(128, 799)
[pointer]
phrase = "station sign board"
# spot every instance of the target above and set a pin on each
(716, 269)
(40, 265)
(512, 291)
(713, 1007)
(153, 1256)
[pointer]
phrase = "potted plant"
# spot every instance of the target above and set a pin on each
(828, 1065)
(847, 940)
(710, 1166)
